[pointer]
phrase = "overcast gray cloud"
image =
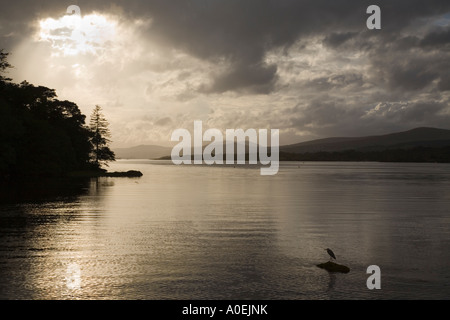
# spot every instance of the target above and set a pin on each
(311, 67)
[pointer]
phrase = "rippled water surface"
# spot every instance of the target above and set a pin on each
(198, 232)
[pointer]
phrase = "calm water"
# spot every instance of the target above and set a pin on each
(191, 232)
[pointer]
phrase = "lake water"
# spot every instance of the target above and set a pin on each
(200, 232)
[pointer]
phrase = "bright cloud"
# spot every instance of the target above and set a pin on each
(73, 34)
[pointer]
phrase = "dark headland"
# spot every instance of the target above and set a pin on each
(43, 138)
(104, 173)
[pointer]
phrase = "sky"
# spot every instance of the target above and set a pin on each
(311, 69)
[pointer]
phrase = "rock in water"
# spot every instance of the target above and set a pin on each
(334, 267)
(128, 174)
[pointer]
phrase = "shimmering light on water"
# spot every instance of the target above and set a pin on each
(196, 232)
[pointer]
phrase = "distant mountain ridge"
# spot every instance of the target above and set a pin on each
(157, 152)
(142, 152)
(418, 137)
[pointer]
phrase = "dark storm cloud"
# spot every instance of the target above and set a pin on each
(402, 79)
(410, 75)
(437, 38)
(253, 78)
(341, 117)
(242, 32)
(323, 112)
(336, 39)
(413, 63)
(335, 81)
(444, 82)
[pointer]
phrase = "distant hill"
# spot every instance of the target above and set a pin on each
(142, 152)
(419, 137)
(156, 152)
(416, 145)
(236, 146)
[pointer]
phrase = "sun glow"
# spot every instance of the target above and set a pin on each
(72, 34)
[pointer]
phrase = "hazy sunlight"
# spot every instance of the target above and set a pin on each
(72, 34)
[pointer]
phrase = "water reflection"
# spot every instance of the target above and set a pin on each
(332, 281)
(40, 236)
(43, 190)
(229, 233)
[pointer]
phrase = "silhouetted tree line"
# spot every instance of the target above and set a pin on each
(417, 154)
(41, 136)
